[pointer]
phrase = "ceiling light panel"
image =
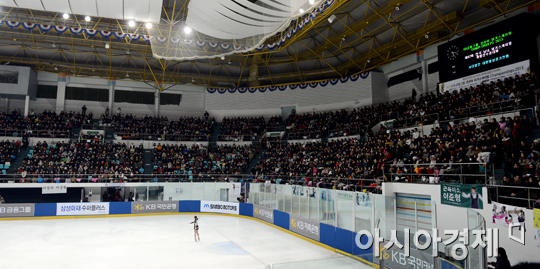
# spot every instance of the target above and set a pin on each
(137, 10)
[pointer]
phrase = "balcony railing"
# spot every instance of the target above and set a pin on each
(432, 173)
(162, 137)
(35, 133)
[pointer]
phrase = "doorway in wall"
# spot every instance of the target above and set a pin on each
(286, 111)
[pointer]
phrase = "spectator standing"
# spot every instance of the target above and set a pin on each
(502, 260)
(84, 110)
(119, 111)
(206, 115)
(414, 94)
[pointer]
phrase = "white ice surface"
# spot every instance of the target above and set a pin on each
(161, 241)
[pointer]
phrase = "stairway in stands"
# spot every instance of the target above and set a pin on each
(254, 161)
(75, 135)
(285, 137)
(17, 162)
(148, 166)
(214, 135)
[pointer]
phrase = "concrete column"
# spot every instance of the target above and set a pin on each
(26, 105)
(61, 93)
(6, 105)
(111, 99)
(156, 101)
(425, 88)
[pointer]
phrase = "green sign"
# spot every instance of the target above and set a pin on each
(462, 195)
(92, 132)
(275, 134)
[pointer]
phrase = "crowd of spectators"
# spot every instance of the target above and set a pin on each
(73, 161)
(241, 128)
(8, 152)
(455, 149)
(46, 124)
(197, 160)
(130, 127)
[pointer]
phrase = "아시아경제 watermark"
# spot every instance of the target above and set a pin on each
(423, 239)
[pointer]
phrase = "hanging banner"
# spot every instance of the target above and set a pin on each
(536, 223)
(263, 213)
(16, 210)
(504, 215)
(234, 191)
(510, 70)
(220, 207)
(69, 209)
(462, 195)
(52, 188)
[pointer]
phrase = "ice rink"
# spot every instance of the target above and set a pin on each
(161, 241)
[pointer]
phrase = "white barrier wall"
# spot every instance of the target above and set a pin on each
(452, 218)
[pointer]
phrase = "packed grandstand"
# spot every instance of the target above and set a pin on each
(329, 149)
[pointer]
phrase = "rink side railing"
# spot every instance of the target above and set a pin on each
(328, 218)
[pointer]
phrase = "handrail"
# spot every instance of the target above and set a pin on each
(196, 177)
(488, 105)
(493, 115)
(163, 137)
(239, 137)
(34, 133)
(514, 200)
(411, 170)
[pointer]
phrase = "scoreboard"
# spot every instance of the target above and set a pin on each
(498, 45)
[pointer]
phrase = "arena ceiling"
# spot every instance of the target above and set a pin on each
(364, 35)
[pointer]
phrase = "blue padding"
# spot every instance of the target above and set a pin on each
(281, 219)
(344, 240)
(246, 209)
(328, 235)
(119, 208)
(189, 206)
(48, 209)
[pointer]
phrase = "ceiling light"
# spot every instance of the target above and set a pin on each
(301, 11)
(7, 63)
(229, 62)
(311, 2)
(53, 45)
(427, 35)
(87, 18)
(55, 68)
(107, 45)
(128, 52)
(66, 16)
(148, 25)
(398, 6)
(131, 23)
(127, 75)
(192, 80)
(343, 38)
(369, 60)
(331, 18)
(187, 30)
(222, 58)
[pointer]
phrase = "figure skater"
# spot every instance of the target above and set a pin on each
(521, 220)
(195, 223)
(499, 215)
